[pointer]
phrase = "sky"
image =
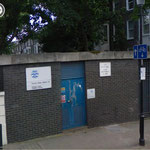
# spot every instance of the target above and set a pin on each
(39, 21)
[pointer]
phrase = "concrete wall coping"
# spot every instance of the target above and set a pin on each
(63, 57)
(2, 93)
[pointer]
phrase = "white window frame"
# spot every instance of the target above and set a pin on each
(148, 15)
(114, 5)
(127, 5)
(129, 38)
(107, 34)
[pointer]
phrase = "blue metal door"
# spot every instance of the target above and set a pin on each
(73, 97)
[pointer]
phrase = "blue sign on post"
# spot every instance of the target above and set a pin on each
(135, 48)
(140, 51)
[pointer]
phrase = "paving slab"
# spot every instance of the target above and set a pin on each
(118, 136)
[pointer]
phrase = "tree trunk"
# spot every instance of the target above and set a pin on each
(83, 43)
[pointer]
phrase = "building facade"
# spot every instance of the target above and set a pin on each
(28, 47)
(131, 28)
(46, 94)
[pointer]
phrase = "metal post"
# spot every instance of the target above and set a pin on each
(141, 28)
(141, 140)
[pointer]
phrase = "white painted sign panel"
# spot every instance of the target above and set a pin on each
(105, 69)
(38, 78)
(90, 93)
(143, 73)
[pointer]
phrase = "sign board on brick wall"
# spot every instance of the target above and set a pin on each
(38, 78)
(143, 73)
(105, 69)
(90, 93)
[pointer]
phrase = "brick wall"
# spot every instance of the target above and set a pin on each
(31, 114)
(116, 96)
(1, 78)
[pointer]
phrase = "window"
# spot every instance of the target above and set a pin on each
(129, 4)
(146, 23)
(130, 30)
(116, 5)
(105, 33)
(145, 26)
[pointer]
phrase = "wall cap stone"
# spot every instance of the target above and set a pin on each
(64, 57)
(2, 93)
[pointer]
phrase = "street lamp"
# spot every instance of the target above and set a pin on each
(140, 3)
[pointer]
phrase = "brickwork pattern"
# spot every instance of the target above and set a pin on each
(116, 96)
(31, 114)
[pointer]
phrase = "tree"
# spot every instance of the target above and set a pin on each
(15, 22)
(78, 25)
(120, 40)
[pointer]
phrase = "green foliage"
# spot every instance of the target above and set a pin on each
(78, 24)
(120, 40)
(16, 19)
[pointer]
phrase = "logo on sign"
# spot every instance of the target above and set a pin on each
(35, 74)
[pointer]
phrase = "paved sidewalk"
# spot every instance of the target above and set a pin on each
(122, 136)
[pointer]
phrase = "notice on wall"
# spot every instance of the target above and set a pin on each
(143, 73)
(90, 93)
(105, 69)
(63, 98)
(63, 89)
(38, 78)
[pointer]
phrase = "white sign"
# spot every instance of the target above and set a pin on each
(38, 78)
(143, 73)
(105, 69)
(90, 93)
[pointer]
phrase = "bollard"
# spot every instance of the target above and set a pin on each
(1, 141)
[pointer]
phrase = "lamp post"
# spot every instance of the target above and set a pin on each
(140, 3)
